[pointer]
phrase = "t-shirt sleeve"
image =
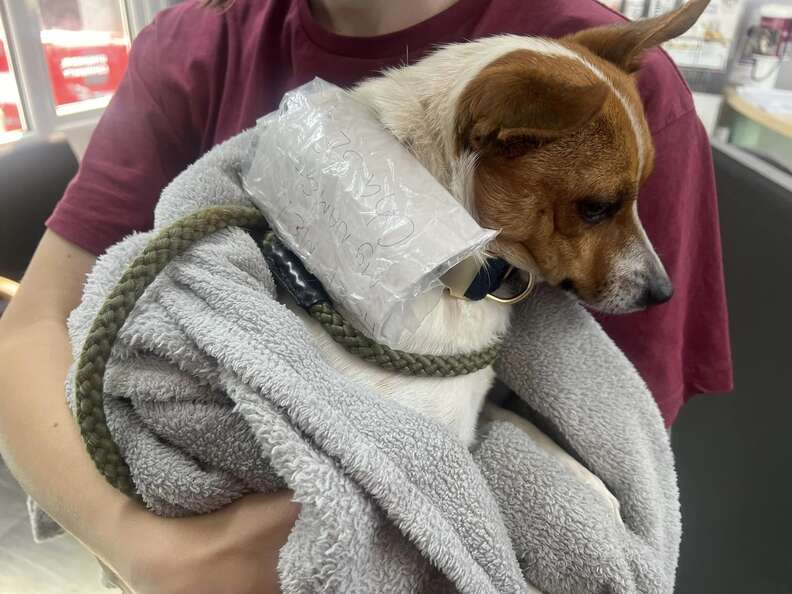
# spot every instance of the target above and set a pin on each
(681, 348)
(140, 144)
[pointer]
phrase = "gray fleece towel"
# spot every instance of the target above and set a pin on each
(215, 390)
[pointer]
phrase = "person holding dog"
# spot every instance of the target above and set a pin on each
(199, 75)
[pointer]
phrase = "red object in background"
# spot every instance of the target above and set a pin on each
(83, 64)
(9, 110)
(3, 58)
(10, 115)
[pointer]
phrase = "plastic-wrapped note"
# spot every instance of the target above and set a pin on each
(364, 216)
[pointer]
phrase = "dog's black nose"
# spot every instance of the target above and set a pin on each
(659, 290)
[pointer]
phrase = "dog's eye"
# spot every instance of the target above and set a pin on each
(594, 211)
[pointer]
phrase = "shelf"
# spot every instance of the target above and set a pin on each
(779, 125)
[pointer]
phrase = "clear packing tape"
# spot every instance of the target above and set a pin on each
(358, 209)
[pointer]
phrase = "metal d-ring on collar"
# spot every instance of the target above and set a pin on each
(482, 281)
(521, 296)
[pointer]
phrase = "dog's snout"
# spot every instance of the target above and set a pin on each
(659, 290)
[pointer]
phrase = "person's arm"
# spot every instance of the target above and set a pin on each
(147, 135)
(38, 438)
(234, 550)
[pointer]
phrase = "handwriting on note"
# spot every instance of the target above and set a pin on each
(386, 227)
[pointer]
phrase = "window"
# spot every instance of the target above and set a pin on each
(61, 60)
(85, 46)
(11, 117)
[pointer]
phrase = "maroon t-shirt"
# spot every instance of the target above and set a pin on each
(196, 77)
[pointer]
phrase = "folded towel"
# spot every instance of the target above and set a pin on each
(215, 390)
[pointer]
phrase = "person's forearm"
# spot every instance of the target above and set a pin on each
(231, 550)
(39, 439)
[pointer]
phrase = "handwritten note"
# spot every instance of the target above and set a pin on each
(361, 213)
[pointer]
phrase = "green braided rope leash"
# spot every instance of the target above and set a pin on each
(89, 378)
(399, 361)
(170, 242)
(317, 304)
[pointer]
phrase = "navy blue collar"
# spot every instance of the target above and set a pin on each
(488, 279)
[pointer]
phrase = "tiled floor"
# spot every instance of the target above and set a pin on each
(60, 566)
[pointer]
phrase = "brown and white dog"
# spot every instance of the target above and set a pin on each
(546, 141)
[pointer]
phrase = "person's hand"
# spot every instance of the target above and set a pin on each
(233, 550)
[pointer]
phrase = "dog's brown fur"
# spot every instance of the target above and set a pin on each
(562, 144)
(552, 146)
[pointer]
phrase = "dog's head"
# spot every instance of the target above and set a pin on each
(563, 148)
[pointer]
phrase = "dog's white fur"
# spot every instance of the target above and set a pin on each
(453, 326)
(418, 104)
(631, 268)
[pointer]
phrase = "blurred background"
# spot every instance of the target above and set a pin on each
(60, 61)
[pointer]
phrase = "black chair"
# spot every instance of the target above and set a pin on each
(733, 451)
(33, 177)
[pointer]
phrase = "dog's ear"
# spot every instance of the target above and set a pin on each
(625, 43)
(526, 99)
